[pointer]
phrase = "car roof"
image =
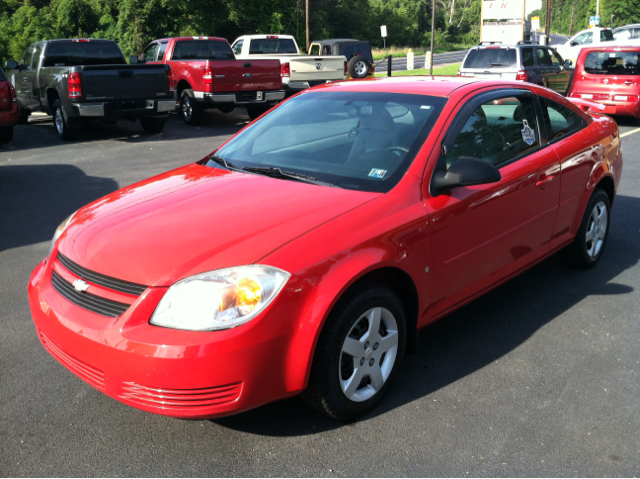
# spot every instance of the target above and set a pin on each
(190, 38)
(611, 48)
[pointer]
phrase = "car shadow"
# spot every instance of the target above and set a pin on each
(626, 121)
(478, 334)
(36, 198)
(39, 132)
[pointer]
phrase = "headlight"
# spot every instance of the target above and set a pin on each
(220, 299)
(59, 230)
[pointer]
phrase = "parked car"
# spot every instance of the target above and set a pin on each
(80, 80)
(299, 71)
(524, 61)
(9, 113)
(611, 76)
(627, 33)
(570, 49)
(304, 254)
(208, 75)
(357, 52)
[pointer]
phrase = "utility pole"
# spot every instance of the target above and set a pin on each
(307, 13)
(597, 8)
(433, 23)
(547, 29)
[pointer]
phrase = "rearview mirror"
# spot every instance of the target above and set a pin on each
(568, 63)
(133, 60)
(11, 64)
(465, 171)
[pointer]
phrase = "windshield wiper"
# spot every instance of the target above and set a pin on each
(221, 161)
(279, 173)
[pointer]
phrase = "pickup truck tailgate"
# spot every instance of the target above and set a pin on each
(317, 68)
(125, 82)
(245, 75)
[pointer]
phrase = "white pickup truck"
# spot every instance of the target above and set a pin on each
(298, 71)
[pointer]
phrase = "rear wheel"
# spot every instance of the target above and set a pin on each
(190, 109)
(358, 353)
(589, 243)
(6, 134)
(151, 126)
(62, 129)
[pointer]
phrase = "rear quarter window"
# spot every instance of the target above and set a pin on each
(492, 57)
(559, 120)
(64, 54)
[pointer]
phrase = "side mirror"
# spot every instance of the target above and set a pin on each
(568, 63)
(465, 171)
(11, 64)
(133, 60)
(573, 44)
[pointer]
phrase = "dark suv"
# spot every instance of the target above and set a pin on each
(524, 61)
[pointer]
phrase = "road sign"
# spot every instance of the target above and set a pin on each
(383, 31)
(594, 21)
(410, 60)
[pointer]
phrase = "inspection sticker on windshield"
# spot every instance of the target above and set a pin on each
(528, 135)
(377, 173)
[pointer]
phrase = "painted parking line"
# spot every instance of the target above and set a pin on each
(630, 132)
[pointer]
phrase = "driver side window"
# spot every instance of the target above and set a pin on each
(498, 132)
(149, 54)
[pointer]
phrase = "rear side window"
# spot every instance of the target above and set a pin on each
(202, 50)
(606, 35)
(527, 57)
(613, 63)
(559, 120)
(491, 57)
(544, 59)
(265, 46)
(498, 131)
(64, 54)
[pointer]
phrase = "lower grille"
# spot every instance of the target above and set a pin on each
(93, 376)
(181, 398)
(91, 302)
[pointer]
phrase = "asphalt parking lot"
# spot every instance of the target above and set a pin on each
(540, 377)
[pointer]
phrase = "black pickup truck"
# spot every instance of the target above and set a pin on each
(80, 80)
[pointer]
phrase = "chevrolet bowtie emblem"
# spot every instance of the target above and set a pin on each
(80, 285)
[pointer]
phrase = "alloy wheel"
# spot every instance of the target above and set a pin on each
(596, 229)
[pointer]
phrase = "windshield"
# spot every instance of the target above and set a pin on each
(65, 54)
(353, 140)
(491, 57)
(266, 46)
(613, 63)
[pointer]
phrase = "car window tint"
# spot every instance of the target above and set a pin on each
(149, 55)
(163, 47)
(613, 63)
(25, 63)
(527, 57)
(202, 50)
(355, 48)
(272, 45)
(497, 131)
(555, 59)
(237, 47)
(588, 38)
(489, 57)
(606, 35)
(314, 50)
(68, 53)
(559, 120)
(544, 59)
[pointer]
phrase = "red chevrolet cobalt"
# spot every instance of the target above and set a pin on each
(302, 256)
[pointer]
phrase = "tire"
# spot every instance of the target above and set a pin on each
(255, 111)
(6, 135)
(588, 245)
(152, 126)
(358, 67)
(226, 108)
(62, 129)
(341, 384)
(190, 109)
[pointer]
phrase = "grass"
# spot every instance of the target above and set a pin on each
(401, 52)
(446, 70)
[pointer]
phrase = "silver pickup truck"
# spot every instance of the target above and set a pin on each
(298, 71)
(80, 80)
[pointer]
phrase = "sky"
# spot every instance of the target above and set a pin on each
(532, 5)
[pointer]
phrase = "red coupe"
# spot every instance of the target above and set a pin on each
(303, 255)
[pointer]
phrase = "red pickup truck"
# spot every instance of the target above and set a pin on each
(208, 75)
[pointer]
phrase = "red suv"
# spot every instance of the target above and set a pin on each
(611, 76)
(9, 113)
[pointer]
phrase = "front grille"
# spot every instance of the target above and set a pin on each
(93, 376)
(181, 398)
(91, 302)
(101, 279)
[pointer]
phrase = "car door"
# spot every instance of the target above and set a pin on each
(483, 234)
(21, 82)
(562, 77)
(546, 67)
(32, 80)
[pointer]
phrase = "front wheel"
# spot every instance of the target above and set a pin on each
(151, 126)
(62, 129)
(589, 243)
(358, 353)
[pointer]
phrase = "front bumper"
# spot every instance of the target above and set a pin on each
(176, 373)
(123, 109)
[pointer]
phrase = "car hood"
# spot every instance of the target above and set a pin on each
(196, 219)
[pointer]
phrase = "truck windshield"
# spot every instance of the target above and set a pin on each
(613, 63)
(264, 46)
(70, 53)
(202, 50)
(491, 57)
(353, 140)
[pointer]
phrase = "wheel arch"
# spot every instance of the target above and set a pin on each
(607, 184)
(182, 85)
(52, 95)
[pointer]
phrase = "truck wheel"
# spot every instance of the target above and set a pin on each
(226, 108)
(190, 109)
(358, 67)
(62, 129)
(6, 135)
(256, 111)
(151, 126)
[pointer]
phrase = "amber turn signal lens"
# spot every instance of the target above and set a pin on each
(248, 294)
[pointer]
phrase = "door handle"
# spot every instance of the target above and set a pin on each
(541, 184)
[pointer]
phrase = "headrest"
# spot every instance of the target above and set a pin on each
(378, 119)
